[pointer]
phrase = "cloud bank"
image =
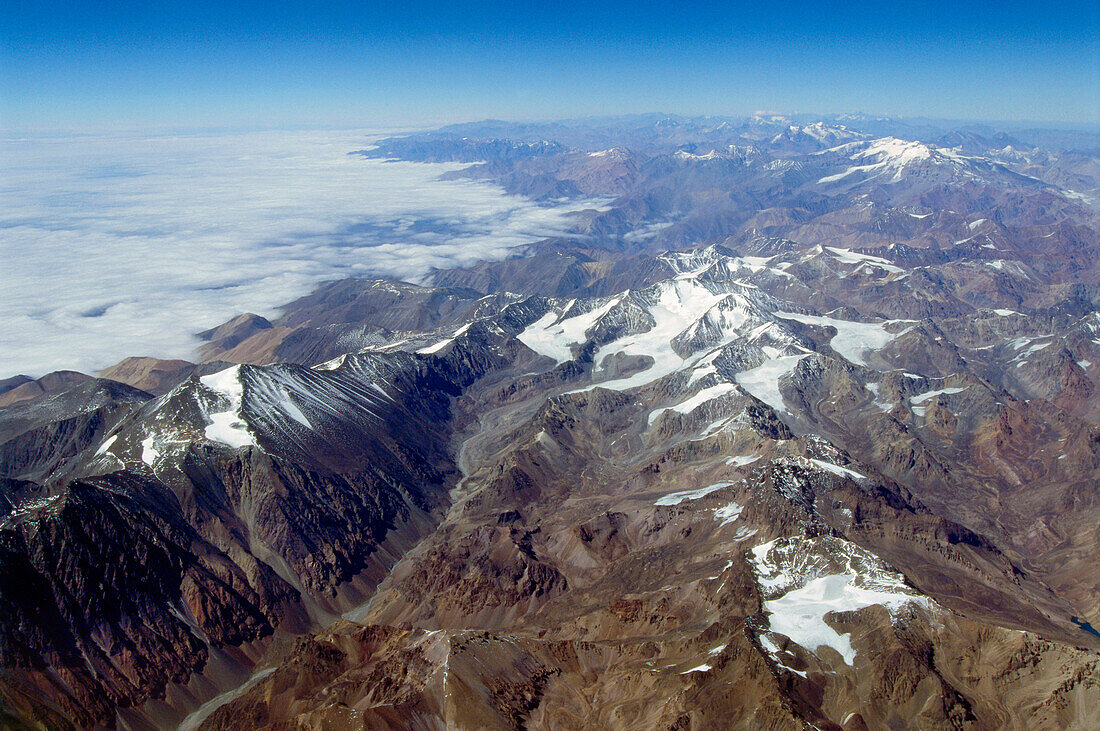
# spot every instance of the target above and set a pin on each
(116, 246)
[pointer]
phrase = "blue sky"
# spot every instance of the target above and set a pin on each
(75, 65)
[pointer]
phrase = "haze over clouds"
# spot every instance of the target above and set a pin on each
(117, 246)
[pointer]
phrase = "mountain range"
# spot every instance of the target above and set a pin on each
(797, 427)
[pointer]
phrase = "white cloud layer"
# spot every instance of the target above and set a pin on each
(116, 246)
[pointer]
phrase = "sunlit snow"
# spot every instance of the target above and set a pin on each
(838, 470)
(928, 395)
(149, 454)
(228, 427)
(853, 340)
(680, 303)
(809, 588)
(676, 498)
(106, 444)
(847, 256)
(728, 513)
(552, 335)
(763, 381)
(703, 396)
(444, 343)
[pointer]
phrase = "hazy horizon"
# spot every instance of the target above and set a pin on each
(9, 133)
(125, 64)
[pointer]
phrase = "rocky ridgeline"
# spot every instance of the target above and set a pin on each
(779, 480)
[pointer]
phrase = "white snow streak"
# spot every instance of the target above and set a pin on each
(228, 427)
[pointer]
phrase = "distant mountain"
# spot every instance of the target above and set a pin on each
(677, 181)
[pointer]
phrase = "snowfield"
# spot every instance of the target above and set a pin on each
(809, 578)
(228, 426)
(763, 381)
(553, 334)
(853, 340)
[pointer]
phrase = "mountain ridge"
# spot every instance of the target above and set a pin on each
(833, 463)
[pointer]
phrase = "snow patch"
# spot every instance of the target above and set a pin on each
(291, 409)
(331, 365)
(149, 454)
(443, 343)
(773, 649)
(552, 336)
(882, 405)
(698, 669)
(763, 381)
(686, 407)
(228, 426)
(927, 395)
(847, 256)
(853, 339)
(809, 578)
(838, 470)
(728, 513)
(676, 498)
(106, 445)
